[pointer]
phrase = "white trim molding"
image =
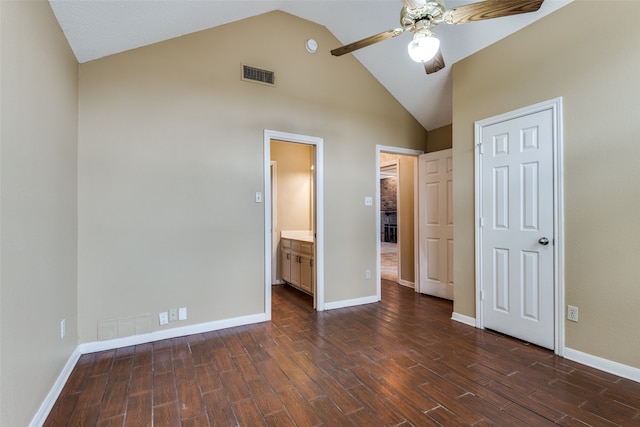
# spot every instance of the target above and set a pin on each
(351, 302)
(406, 283)
(171, 333)
(467, 320)
(43, 411)
(601, 364)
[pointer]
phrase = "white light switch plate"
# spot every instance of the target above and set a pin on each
(258, 197)
(182, 313)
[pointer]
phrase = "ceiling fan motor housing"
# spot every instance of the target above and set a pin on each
(431, 13)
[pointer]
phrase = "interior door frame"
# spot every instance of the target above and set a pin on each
(318, 198)
(273, 175)
(416, 260)
(555, 105)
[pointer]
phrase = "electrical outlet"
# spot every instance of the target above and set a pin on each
(368, 201)
(572, 313)
(367, 274)
(182, 313)
(164, 318)
(63, 328)
(173, 314)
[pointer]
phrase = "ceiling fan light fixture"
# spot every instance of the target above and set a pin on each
(423, 47)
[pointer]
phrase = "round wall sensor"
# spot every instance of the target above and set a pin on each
(311, 45)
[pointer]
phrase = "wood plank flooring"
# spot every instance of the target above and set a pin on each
(401, 362)
(389, 261)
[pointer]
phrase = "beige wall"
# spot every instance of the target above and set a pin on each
(294, 189)
(166, 128)
(38, 155)
(440, 139)
(595, 70)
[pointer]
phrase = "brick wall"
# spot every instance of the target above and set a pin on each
(388, 194)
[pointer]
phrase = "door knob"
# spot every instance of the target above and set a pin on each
(543, 241)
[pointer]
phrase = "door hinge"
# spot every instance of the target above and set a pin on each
(481, 222)
(480, 148)
(481, 295)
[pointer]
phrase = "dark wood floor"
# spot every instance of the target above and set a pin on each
(399, 362)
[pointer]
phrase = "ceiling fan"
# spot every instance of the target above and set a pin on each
(421, 16)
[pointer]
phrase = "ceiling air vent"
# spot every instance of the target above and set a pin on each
(257, 75)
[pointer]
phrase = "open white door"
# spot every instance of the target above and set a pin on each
(435, 171)
(516, 226)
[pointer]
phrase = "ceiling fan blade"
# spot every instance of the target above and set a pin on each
(490, 9)
(436, 64)
(367, 42)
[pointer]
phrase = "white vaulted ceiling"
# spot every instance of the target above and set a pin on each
(98, 28)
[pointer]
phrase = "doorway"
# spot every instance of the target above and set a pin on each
(519, 235)
(309, 258)
(395, 219)
(389, 186)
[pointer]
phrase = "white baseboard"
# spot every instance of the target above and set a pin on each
(605, 365)
(596, 362)
(43, 412)
(171, 333)
(471, 321)
(406, 283)
(350, 302)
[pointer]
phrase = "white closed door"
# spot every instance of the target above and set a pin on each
(435, 201)
(516, 228)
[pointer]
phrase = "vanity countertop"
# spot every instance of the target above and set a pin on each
(302, 235)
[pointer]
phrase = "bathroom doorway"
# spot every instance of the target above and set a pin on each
(293, 215)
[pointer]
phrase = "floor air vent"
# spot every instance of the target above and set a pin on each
(258, 75)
